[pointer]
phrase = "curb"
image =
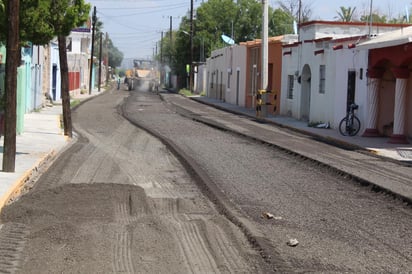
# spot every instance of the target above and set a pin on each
(17, 187)
(327, 140)
(331, 141)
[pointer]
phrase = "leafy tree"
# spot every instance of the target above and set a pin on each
(66, 15)
(376, 18)
(248, 21)
(115, 56)
(346, 14)
(241, 19)
(29, 13)
(280, 22)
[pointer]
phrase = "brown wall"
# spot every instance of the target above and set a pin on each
(274, 70)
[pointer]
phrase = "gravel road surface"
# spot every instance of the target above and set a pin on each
(118, 201)
(340, 225)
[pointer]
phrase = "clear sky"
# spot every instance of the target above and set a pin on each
(135, 26)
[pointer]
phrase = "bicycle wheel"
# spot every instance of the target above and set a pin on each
(343, 127)
(348, 128)
(355, 126)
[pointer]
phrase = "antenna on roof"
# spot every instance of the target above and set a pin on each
(295, 27)
(370, 19)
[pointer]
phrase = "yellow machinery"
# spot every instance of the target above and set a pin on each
(143, 75)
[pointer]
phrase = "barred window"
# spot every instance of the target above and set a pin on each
(291, 81)
(322, 79)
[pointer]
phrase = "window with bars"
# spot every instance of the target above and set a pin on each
(322, 78)
(291, 81)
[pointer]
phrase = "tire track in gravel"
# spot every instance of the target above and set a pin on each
(267, 252)
(12, 240)
(118, 200)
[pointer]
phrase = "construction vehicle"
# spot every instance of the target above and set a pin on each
(143, 75)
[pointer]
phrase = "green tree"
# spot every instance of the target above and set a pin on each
(248, 20)
(115, 56)
(214, 18)
(29, 13)
(280, 22)
(242, 20)
(376, 18)
(346, 14)
(66, 15)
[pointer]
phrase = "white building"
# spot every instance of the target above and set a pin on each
(226, 74)
(324, 72)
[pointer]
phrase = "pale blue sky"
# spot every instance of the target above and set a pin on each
(135, 26)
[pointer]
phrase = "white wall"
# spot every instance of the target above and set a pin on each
(54, 60)
(215, 67)
(289, 107)
(235, 62)
(345, 60)
(331, 105)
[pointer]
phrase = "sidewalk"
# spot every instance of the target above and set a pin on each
(40, 141)
(377, 145)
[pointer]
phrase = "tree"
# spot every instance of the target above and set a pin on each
(240, 19)
(346, 14)
(280, 22)
(29, 13)
(66, 15)
(301, 12)
(248, 20)
(12, 62)
(376, 18)
(115, 56)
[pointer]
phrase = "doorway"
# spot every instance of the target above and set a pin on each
(305, 90)
(351, 88)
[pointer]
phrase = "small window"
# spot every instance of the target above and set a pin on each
(69, 44)
(291, 81)
(322, 79)
(229, 73)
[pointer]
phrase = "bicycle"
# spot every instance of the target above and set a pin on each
(350, 124)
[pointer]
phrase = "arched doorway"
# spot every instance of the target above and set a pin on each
(305, 82)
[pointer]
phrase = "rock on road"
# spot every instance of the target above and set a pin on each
(117, 201)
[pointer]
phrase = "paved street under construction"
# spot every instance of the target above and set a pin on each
(144, 188)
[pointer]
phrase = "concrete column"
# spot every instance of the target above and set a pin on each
(399, 122)
(375, 76)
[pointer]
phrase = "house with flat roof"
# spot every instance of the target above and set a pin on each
(324, 71)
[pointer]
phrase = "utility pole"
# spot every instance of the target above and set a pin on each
(94, 19)
(12, 62)
(191, 74)
(264, 77)
(171, 43)
(107, 58)
(100, 62)
(161, 48)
